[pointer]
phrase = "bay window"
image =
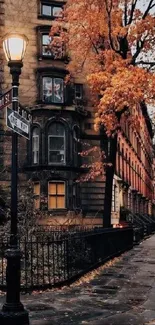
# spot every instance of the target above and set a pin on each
(53, 90)
(56, 144)
(35, 145)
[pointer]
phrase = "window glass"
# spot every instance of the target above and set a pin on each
(46, 10)
(52, 10)
(60, 202)
(56, 143)
(46, 40)
(52, 46)
(53, 89)
(56, 195)
(35, 146)
(58, 90)
(57, 11)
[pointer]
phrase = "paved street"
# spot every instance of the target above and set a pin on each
(121, 294)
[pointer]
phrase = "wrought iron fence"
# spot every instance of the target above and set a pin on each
(55, 258)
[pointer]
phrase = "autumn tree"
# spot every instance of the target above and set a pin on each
(113, 42)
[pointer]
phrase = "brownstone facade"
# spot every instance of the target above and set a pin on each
(62, 125)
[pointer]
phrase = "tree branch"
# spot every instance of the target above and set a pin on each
(151, 63)
(109, 24)
(150, 6)
(125, 12)
(133, 6)
(139, 47)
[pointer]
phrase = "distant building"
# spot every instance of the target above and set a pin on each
(133, 182)
(62, 126)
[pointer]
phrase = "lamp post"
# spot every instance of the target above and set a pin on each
(13, 312)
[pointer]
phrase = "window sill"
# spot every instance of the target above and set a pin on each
(57, 210)
(46, 17)
(64, 58)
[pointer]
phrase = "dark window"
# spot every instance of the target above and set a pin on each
(87, 126)
(78, 91)
(35, 146)
(53, 90)
(56, 144)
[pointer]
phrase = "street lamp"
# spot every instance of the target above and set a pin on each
(13, 312)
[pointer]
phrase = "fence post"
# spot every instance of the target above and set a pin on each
(67, 259)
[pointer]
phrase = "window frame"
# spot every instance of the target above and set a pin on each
(44, 31)
(56, 195)
(81, 91)
(35, 127)
(51, 4)
(53, 72)
(64, 137)
(52, 102)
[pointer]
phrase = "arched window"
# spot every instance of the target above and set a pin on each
(56, 144)
(35, 145)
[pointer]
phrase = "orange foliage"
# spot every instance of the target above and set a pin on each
(113, 42)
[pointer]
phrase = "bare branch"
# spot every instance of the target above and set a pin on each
(133, 6)
(139, 47)
(150, 6)
(151, 63)
(108, 9)
(125, 12)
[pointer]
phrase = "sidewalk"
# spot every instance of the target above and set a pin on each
(122, 294)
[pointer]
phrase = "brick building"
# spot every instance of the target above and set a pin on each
(62, 125)
(133, 182)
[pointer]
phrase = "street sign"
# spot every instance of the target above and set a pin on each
(17, 123)
(24, 112)
(6, 99)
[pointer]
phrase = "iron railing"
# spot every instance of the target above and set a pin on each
(56, 258)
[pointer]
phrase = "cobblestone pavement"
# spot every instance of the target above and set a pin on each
(121, 294)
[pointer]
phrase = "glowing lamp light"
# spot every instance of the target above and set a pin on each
(14, 46)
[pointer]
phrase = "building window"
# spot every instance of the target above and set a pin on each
(51, 10)
(35, 145)
(51, 47)
(56, 144)
(46, 41)
(36, 193)
(78, 91)
(53, 90)
(56, 195)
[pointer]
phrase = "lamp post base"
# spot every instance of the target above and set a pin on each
(13, 312)
(14, 318)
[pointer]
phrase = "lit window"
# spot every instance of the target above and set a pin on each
(56, 195)
(56, 143)
(35, 146)
(36, 192)
(53, 90)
